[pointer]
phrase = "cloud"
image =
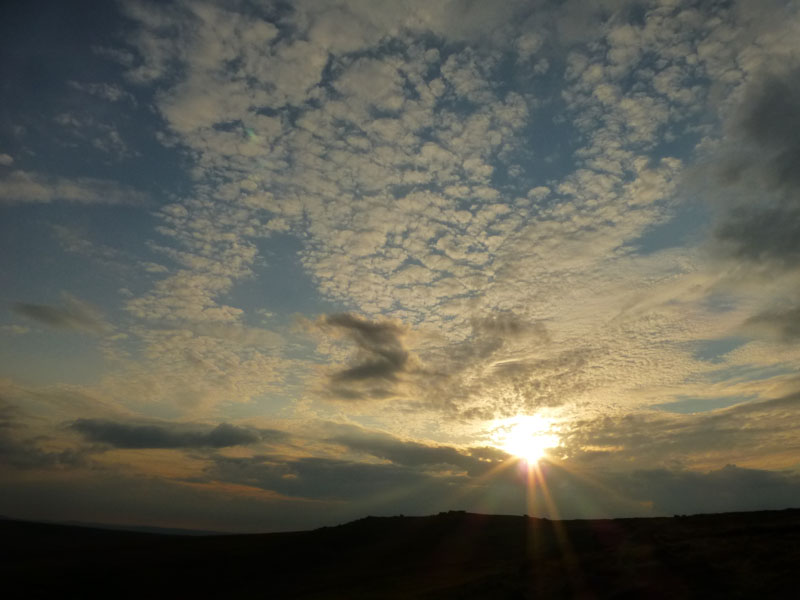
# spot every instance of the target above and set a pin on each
(381, 364)
(572, 493)
(197, 367)
(75, 315)
(376, 83)
(474, 461)
(218, 503)
(751, 432)
(6, 160)
(214, 37)
(168, 435)
(763, 225)
(86, 127)
(380, 344)
(321, 478)
(506, 365)
(123, 57)
(24, 187)
(20, 450)
(500, 369)
(781, 324)
(771, 116)
(728, 489)
(47, 406)
(107, 91)
(78, 241)
(27, 454)
(766, 235)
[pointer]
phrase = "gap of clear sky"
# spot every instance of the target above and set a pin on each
(272, 265)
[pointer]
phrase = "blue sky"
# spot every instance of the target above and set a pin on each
(317, 260)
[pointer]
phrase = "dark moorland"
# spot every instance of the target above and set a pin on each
(451, 555)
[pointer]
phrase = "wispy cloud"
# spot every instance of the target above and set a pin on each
(761, 432)
(25, 187)
(74, 314)
(107, 91)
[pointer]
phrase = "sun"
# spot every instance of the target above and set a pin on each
(527, 437)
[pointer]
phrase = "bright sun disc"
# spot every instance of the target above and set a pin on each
(526, 437)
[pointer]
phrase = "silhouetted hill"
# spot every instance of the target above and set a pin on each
(450, 555)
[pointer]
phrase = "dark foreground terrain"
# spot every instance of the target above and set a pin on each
(451, 555)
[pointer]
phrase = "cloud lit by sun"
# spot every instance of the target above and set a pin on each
(527, 437)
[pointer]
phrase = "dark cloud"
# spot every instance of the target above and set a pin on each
(381, 358)
(27, 454)
(403, 453)
(766, 227)
(724, 490)
(383, 354)
(783, 324)
(474, 461)
(770, 234)
(318, 478)
(772, 120)
(132, 435)
(75, 315)
(21, 451)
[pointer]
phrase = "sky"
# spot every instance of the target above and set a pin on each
(277, 265)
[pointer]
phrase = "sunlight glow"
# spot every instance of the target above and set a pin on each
(525, 436)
